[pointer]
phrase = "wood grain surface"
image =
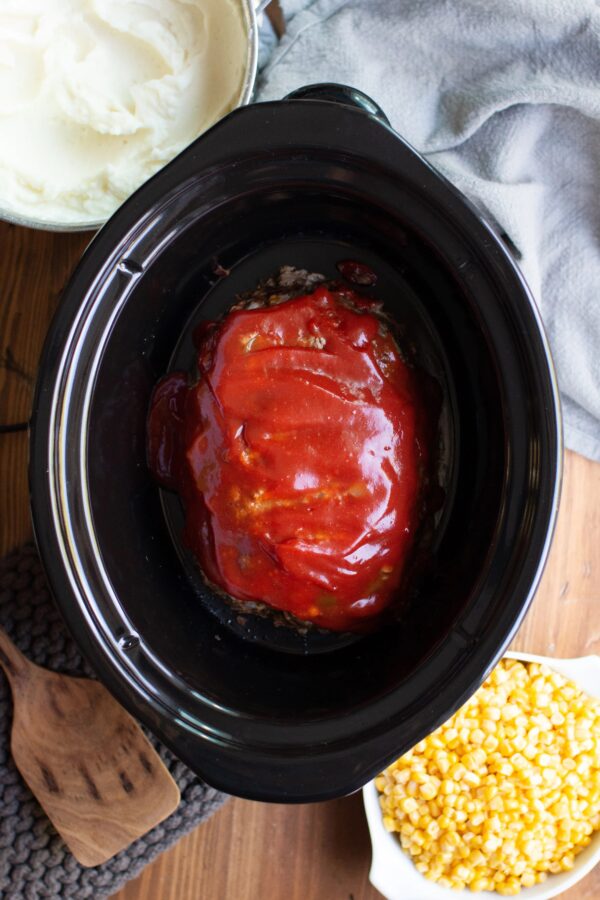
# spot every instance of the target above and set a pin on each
(252, 851)
(97, 776)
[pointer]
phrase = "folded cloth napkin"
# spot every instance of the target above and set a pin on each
(504, 99)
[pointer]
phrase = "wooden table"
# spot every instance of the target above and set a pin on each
(253, 851)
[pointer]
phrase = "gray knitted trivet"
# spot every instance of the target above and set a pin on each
(34, 861)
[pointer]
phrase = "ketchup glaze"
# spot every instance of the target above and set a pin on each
(300, 454)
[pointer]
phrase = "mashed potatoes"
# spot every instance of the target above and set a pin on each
(97, 95)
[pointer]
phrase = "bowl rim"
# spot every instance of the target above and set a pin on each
(47, 434)
(251, 10)
(386, 848)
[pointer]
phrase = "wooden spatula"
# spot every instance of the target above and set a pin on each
(100, 782)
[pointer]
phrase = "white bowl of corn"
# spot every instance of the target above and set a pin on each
(504, 797)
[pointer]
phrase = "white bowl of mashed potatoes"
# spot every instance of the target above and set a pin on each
(97, 95)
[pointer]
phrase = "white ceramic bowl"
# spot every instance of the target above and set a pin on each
(253, 9)
(392, 870)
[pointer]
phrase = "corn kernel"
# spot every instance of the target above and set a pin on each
(447, 786)
(507, 791)
(471, 780)
(433, 829)
(389, 824)
(428, 790)
(408, 805)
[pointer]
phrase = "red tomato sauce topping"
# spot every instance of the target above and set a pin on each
(299, 454)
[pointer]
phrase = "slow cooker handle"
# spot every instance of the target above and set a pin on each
(340, 93)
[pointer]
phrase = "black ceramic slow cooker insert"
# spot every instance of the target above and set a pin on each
(306, 181)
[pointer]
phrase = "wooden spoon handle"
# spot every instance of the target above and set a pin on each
(12, 660)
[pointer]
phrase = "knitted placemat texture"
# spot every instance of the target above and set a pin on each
(34, 861)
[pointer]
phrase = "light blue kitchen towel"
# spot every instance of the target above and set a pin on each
(504, 99)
